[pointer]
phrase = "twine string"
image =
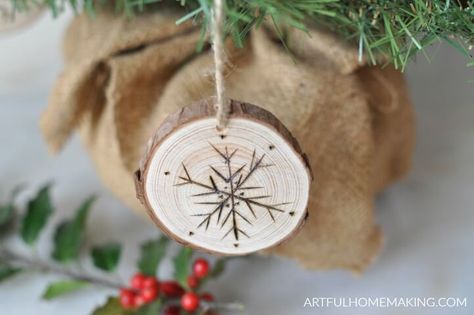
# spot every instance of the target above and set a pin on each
(222, 104)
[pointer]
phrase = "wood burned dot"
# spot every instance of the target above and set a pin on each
(191, 233)
(167, 173)
(271, 147)
(292, 213)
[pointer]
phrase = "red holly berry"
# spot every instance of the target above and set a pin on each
(137, 281)
(127, 298)
(172, 310)
(138, 300)
(151, 282)
(190, 301)
(193, 282)
(208, 297)
(200, 268)
(149, 294)
(171, 289)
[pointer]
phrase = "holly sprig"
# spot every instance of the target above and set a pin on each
(144, 295)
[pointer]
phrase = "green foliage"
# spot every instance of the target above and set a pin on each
(182, 264)
(39, 210)
(150, 309)
(218, 268)
(68, 240)
(106, 257)
(60, 288)
(392, 29)
(111, 307)
(397, 30)
(6, 216)
(69, 235)
(152, 252)
(7, 271)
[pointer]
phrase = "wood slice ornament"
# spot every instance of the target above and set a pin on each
(229, 192)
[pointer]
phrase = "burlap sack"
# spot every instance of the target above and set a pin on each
(355, 122)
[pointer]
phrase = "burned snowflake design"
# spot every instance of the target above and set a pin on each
(230, 192)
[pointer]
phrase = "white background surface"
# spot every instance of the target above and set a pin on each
(427, 218)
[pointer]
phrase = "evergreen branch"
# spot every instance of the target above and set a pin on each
(393, 30)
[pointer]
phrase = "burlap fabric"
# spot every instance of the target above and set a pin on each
(123, 77)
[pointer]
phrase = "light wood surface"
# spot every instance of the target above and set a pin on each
(230, 193)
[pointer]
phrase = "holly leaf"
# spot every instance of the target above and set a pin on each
(39, 210)
(111, 307)
(106, 257)
(218, 268)
(60, 288)
(182, 263)
(7, 271)
(69, 234)
(150, 309)
(152, 252)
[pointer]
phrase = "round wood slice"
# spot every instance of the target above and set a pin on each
(229, 193)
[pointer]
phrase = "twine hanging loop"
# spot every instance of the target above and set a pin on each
(222, 103)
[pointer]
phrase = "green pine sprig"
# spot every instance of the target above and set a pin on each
(382, 29)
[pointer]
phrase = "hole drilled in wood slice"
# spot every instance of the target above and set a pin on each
(240, 193)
